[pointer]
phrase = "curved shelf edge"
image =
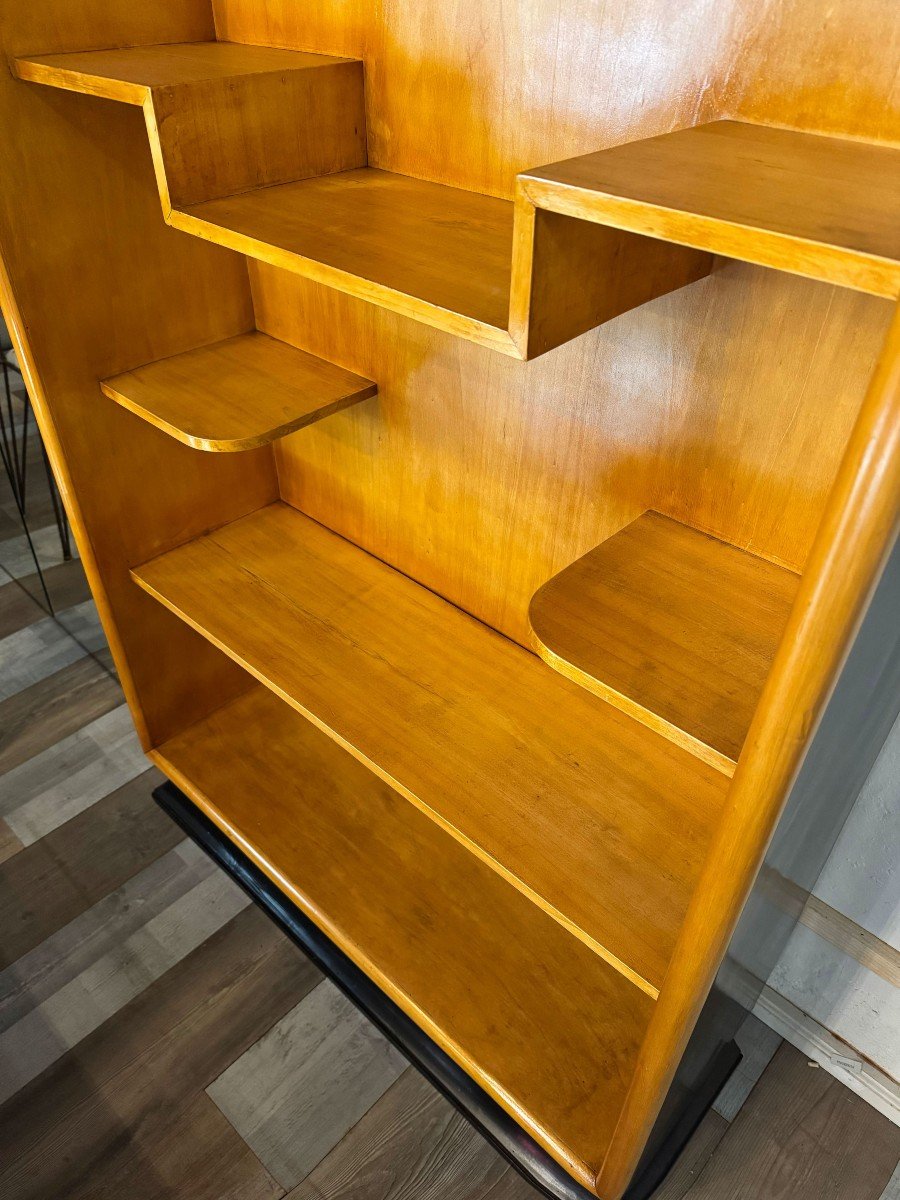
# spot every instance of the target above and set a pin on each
(673, 627)
(239, 394)
(571, 670)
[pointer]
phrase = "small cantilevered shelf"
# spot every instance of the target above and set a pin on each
(565, 798)
(672, 626)
(243, 392)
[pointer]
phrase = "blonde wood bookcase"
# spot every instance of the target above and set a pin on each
(478, 543)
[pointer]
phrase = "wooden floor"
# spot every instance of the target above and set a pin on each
(160, 1039)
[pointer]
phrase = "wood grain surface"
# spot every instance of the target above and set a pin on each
(566, 797)
(469, 958)
(672, 626)
(238, 394)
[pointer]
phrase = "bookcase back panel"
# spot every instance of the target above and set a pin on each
(726, 405)
(481, 477)
(470, 92)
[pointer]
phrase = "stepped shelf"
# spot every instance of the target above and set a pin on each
(823, 207)
(237, 394)
(672, 626)
(482, 268)
(480, 969)
(560, 793)
(586, 239)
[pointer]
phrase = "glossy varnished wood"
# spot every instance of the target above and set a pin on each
(436, 253)
(369, 232)
(238, 394)
(224, 118)
(477, 965)
(672, 626)
(821, 207)
(129, 74)
(556, 790)
(727, 404)
(858, 530)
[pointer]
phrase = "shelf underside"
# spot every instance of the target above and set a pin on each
(237, 394)
(401, 242)
(818, 206)
(485, 973)
(600, 821)
(672, 626)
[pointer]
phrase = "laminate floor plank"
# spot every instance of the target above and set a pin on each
(33, 653)
(18, 607)
(54, 880)
(83, 1003)
(801, 1135)
(693, 1158)
(9, 845)
(15, 554)
(40, 795)
(37, 717)
(413, 1145)
(82, 622)
(99, 931)
(66, 582)
(892, 1190)
(295, 1094)
(122, 1103)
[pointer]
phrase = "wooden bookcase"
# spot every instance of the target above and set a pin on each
(478, 545)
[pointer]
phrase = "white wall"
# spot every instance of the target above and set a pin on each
(853, 919)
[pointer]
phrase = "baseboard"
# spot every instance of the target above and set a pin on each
(836, 1056)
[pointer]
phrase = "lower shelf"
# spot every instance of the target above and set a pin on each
(596, 819)
(544, 1026)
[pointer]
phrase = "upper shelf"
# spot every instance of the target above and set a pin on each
(818, 206)
(480, 969)
(129, 75)
(563, 795)
(237, 394)
(672, 626)
(586, 240)
(475, 266)
(429, 251)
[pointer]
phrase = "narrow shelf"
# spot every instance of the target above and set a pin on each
(673, 627)
(599, 821)
(237, 394)
(482, 971)
(818, 206)
(433, 252)
(129, 74)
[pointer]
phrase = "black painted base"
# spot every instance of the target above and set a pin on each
(493, 1122)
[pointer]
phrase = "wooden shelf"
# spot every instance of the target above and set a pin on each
(237, 394)
(482, 268)
(672, 626)
(563, 795)
(128, 75)
(432, 252)
(818, 206)
(480, 969)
